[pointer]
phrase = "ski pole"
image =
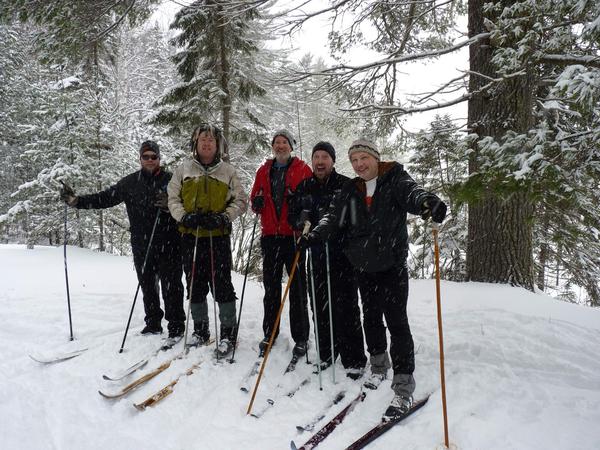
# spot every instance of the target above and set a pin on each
(435, 227)
(277, 320)
(139, 282)
(316, 321)
(301, 293)
(237, 327)
(330, 311)
(214, 290)
(67, 273)
(191, 290)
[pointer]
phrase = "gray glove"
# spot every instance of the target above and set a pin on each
(162, 201)
(67, 194)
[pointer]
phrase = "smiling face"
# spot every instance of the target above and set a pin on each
(206, 147)
(322, 164)
(281, 149)
(365, 165)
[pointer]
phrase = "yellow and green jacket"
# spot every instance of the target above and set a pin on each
(195, 188)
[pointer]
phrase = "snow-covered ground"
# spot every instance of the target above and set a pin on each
(522, 370)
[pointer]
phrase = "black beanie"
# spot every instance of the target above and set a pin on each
(326, 147)
(149, 146)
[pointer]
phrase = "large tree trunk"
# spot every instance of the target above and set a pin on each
(499, 246)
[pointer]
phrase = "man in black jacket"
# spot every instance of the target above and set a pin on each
(145, 197)
(310, 201)
(370, 212)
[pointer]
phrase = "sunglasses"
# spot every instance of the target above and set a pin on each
(149, 157)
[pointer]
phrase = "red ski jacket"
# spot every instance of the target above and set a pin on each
(270, 223)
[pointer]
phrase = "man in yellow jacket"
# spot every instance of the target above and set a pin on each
(205, 196)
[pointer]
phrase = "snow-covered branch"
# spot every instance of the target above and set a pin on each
(565, 60)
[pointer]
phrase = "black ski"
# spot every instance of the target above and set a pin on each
(330, 426)
(384, 426)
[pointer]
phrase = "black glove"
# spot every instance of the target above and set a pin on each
(161, 200)
(213, 221)
(306, 202)
(191, 220)
(306, 240)
(433, 207)
(258, 203)
(67, 195)
(304, 216)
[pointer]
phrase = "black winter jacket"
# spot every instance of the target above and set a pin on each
(138, 191)
(375, 238)
(317, 197)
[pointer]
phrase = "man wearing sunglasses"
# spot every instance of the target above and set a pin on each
(145, 197)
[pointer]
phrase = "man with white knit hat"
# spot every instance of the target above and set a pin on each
(370, 212)
(275, 183)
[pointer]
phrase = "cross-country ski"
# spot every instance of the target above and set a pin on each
(57, 357)
(165, 391)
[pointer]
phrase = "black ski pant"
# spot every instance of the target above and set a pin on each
(203, 276)
(209, 256)
(163, 265)
(385, 294)
(348, 338)
(277, 252)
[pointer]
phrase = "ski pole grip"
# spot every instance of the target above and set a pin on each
(306, 228)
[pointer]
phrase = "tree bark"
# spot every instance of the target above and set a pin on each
(499, 248)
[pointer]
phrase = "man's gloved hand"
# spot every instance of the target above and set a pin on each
(258, 204)
(161, 200)
(306, 202)
(304, 216)
(67, 195)
(306, 240)
(213, 221)
(432, 207)
(191, 220)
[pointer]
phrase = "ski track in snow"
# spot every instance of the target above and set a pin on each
(522, 369)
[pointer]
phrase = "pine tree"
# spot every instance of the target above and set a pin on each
(219, 43)
(438, 163)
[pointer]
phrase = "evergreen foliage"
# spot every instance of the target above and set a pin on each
(220, 56)
(438, 163)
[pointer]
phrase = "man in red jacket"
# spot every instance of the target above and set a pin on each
(275, 182)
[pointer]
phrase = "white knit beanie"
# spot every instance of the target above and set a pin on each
(364, 145)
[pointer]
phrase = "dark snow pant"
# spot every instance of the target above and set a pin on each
(203, 280)
(385, 294)
(277, 252)
(347, 328)
(164, 265)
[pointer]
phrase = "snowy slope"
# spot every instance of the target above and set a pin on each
(522, 369)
